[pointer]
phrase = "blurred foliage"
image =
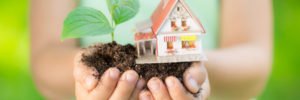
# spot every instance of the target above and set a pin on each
(15, 80)
(284, 83)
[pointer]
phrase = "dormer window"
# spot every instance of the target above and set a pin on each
(173, 24)
(184, 25)
(183, 22)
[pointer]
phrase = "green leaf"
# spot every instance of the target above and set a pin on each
(84, 21)
(122, 10)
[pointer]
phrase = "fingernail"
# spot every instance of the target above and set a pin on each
(193, 83)
(114, 73)
(145, 96)
(170, 83)
(140, 84)
(154, 84)
(130, 77)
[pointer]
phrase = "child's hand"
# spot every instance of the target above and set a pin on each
(112, 85)
(195, 78)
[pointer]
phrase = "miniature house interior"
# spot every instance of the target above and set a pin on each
(172, 34)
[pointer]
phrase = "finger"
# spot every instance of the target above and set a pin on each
(125, 86)
(158, 89)
(140, 85)
(145, 95)
(80, 92)
(205, 92)
(83, 74)
(194, 77)
(176, 90)
(106, 85)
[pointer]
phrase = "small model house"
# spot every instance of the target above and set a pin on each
(172, 34)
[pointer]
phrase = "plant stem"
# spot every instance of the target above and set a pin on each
(112, 36)
(113, 25)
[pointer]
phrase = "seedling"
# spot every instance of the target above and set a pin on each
(86, 21)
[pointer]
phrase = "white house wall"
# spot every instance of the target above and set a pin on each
(177, 45)
(166, 27)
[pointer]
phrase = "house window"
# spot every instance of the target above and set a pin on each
(192, 44)
(188, 44)
(185, 44)
(173, 25)
(170, 45)
(170, 40)
(188, 41)
(184, 24)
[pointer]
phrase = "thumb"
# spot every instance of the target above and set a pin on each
(84, 75)
(194, 77)
(90, 82)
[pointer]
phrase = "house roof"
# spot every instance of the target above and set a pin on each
(164, 10)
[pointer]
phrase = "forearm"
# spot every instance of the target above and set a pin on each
(240, 67)
(52, 70)
(240, 71)
(51, 58)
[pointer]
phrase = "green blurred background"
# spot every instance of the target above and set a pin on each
(15, 79)
(16, 82)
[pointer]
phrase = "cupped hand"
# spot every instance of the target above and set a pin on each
(195, 79)
(112, 85)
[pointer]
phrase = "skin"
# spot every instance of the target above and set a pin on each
(174, 90)
(112, 85)
(237, 70)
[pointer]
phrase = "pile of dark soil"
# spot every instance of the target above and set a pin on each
(104, 56)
